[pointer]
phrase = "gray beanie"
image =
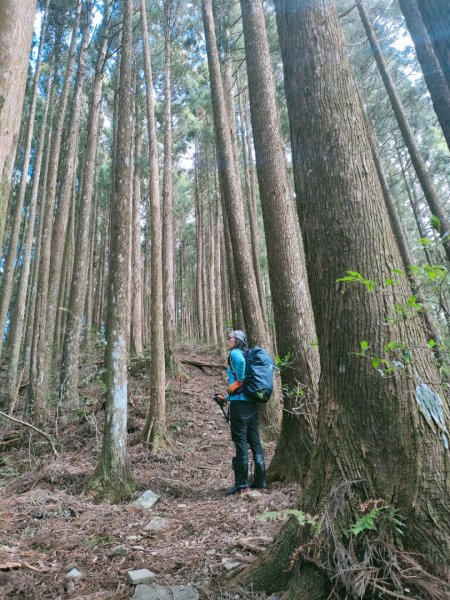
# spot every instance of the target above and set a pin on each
(239, 335)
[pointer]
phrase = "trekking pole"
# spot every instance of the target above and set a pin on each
(222, 403)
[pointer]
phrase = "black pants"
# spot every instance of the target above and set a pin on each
(244, 429)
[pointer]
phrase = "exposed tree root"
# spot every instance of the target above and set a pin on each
(336, 564)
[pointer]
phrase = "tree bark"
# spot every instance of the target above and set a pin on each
(16, 29)
(167, 250)
(294, 321)
(373, 431)
(431, 68)
(155, 434)
(10, 262)
(113, 480)
(136, 255)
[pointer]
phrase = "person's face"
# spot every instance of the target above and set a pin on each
(231, 341)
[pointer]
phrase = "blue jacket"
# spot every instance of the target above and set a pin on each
(236, 373)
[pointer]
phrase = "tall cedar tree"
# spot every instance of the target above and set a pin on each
(294, 321)
(155, 433)
(113, 480)
(10, 262)
(374, 432)
(16, 29)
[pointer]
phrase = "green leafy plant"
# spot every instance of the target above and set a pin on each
(283, 362)
(370, 521)
(355, 278)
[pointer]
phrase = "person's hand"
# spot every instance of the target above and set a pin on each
(234, 386)
(220, 397)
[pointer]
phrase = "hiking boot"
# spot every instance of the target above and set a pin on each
(240, 486)
(260, 480)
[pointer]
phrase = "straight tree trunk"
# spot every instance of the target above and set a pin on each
(250, 186)
(373, 431)
(436, 16)
(294, 321)
(420, 167)
(155, 434)
(68, 387)
(10, 262)
(167, 250)
(113, 480)
(16, 30)
(431, 68)
(199, 248)
(218, 275)
(136, 257)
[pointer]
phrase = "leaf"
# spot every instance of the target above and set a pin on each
(364, 345)
(431, 343)
(390, 281)
(375, 363)
(425, 242)
(435, 223)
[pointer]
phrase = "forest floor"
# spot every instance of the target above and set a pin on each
(48, 526)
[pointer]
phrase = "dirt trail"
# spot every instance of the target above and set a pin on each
(47, 525)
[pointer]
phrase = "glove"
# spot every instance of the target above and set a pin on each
(234, 386)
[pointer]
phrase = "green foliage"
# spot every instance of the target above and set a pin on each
(372, 520)
(355, 278)
(282, 363)
(435, 223)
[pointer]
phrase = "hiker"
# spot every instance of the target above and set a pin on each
(243, 419)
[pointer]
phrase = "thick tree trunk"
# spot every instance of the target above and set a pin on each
(16, 29)
(113, 480)
(420, 167)
(155, 434)
(436, 16)
(431, 68)
(373, 431)
(68, 390)
(10, 262)
(294, 321)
